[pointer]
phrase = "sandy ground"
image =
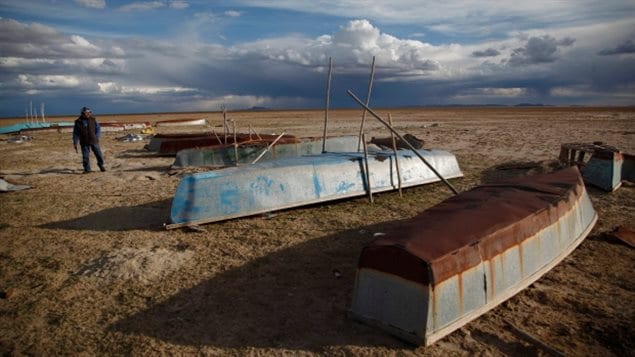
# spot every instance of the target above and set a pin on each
(86, 266)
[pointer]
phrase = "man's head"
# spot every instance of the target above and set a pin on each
(86, 111)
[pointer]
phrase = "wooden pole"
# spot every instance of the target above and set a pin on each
(216, 135)
(370, 190)
(268, 148)
(394, 149)
(225, 124)
(235, 144)
(414, 150)
(258, 135)
(370, 87)
(327, 101)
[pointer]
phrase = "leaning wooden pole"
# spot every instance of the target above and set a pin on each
(370, 189)
(370, 88)
(268, 148)
(327, 102)
(414, 150)
(394, 149)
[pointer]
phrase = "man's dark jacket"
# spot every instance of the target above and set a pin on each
(86, 130)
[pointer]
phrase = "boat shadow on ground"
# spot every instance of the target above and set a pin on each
(160, 168)
(296, 298)
(140, 153)
(515, 168)
(150, 217)
(51, 171)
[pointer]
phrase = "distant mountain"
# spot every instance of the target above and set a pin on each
(529, 105)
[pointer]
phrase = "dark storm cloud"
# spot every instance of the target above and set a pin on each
(490, 52)
(38, 41)
(35, 41)
(538, 50)
(626, 47)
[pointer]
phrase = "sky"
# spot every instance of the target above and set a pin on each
(197, 55)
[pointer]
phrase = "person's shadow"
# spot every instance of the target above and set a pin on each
(150, 216)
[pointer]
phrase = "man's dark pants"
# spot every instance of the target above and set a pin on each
(86, 156)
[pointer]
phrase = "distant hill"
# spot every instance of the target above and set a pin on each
(529, 105)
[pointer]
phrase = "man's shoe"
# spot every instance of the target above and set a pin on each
(102, 168)
(87, 171)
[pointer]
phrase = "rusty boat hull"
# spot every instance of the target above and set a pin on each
(181, 122)
(430, 276)
(171, 144)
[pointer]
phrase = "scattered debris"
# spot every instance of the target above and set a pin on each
(626, 235)
(20, 139)
(131, 138)
(526, 336)
(149, 130)
(6, 187)
(8, 294)
(195, 228)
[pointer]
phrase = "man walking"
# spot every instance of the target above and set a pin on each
(87, 132)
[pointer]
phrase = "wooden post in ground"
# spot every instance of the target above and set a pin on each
(327, 101)
(394, 149)
(235, 144)
(370, 87)
(225, 129)
(370, 190)
(414, 150)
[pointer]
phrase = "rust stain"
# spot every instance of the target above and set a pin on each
(432, 247)
(460, 287)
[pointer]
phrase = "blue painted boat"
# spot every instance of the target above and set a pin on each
(429, 275)
(220, 156)
(274, 185)
(16, 128)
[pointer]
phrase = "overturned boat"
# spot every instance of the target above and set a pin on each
(27, 128)
(279, 184)
(457, 260)
(182, 122)
(261, 150)
(171, 144)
